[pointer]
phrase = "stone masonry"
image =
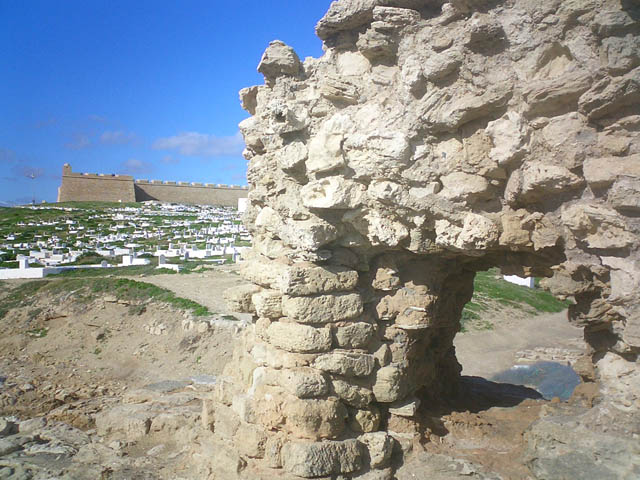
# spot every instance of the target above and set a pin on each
(123, 188)
(430, 141)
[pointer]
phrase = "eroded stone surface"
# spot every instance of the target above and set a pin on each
(430, 141)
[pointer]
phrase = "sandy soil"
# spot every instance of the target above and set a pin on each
(95, 352)
(486, 352)
(205, 287)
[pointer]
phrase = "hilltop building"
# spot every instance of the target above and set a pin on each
(124, 188)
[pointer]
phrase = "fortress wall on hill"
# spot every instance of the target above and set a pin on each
(115, 188)
(189, 193)
(87, 187)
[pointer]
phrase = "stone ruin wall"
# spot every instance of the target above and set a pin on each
(189, 193)
(430, 141)
(80, 187)
(123, 188)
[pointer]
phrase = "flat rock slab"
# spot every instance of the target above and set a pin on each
(167, 386)
(204, 379)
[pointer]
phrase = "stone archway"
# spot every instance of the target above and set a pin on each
(430, 141)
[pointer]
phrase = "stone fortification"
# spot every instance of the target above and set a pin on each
(85, 187)
(123, 188)
(430, 141)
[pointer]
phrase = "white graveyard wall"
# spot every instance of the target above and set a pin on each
(21, 273)
(525, 282)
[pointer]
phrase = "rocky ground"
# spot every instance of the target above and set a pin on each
(110, 394)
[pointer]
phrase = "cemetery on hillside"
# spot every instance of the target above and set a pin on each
(39, 240)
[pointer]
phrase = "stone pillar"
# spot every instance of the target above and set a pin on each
(342, 355)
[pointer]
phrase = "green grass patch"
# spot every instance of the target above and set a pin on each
(490, 289)
(84, 289)
(38, 332)
(91, 258)
(19, 295)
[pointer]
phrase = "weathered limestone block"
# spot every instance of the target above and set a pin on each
(325, 148)
(613, 22)
(398, 17)
(376, 154)
(621, 53)
(322, 308)
(242, 404)
(248, 99)
(310, 234)
(385, 191)
(390, 384)
(250, 440)
(602, 172)
(405, 408)
(536, 181)
(378, 43)
(292, 157)
(379, 446)
(598, 226)
(609, 95)
(510, 138)
(261, 271)
(378, 227)
(226, 422)
(441, 65)
(476, 233)
(339, 90)
(355, 335)
(625, 276)
(462, 110)
(239, 299)
(273, 449)
(513, 233)
(225, 389)
(130, 422)
(319, 459)
(365, 419)
(303, 382)
(465, 187)
(314, 418)
(568, 139)
(348, 364)
(229, 463)
(332, 193)
(555, 96)
(386, 276)
(268, 303)
(309, 279)
(412, 75)
(625, 194)
(270, 356)
(351, 394)
(279, 59)
(297, 338)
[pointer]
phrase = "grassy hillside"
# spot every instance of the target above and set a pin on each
(493, 296)
(89, 289)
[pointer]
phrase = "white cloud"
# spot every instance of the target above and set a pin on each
(118, 137)
(135, 167)
(201, 144)
(169, 160)
(79, 142)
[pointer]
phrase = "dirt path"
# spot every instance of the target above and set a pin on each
(486, 352)
(206, 288)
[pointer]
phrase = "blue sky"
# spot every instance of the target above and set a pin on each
(147, 88)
